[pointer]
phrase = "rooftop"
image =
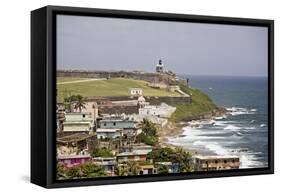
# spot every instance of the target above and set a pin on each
(73, 138)
(216, 157)
(133, 153)
(73, 156)
(101, 130)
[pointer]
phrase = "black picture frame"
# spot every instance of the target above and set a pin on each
(43, 90)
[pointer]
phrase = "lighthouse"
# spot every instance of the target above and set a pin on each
(160, 67)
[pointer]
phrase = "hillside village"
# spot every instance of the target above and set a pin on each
(119, 135)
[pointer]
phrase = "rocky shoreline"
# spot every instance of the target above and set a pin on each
(176, 129)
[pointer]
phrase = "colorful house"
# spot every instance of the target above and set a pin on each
(147, 169)
(136, 147)
(71, 144)
(137, 155)
(73, 160)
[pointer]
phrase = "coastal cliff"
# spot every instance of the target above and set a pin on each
(201, 107)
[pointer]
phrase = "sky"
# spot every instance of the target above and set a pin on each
(99, 43)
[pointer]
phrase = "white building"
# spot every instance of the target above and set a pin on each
(108, 133)
(78, 122)
(163, 110)
(135, 91)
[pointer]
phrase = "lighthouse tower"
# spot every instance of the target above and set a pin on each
(160, 67)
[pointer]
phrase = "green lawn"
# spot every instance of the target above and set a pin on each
(111, 87)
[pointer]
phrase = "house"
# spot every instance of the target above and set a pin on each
(147, 169)
(208, 163)
(107, 163)
(108, 133)
(127, 125)
(78, 142)
(73, 160)
(77, 123)
(135, 92)
(141, 102)
(137, 155)
(116, 122)
(163, 110)
(136, 147)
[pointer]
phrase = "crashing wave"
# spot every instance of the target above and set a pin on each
(240, 111)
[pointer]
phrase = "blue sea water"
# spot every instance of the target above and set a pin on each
(244, 132)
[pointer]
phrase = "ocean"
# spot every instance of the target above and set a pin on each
(244, 132)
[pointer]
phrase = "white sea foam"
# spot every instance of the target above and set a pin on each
(191, 134)
(207, 136)
(220, 118)
(251, 128)
(214, 147)
(249, 160)
(240, 111)
(232, 128)
(239, 133)
(222, 123)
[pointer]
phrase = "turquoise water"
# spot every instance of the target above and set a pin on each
(244, 132)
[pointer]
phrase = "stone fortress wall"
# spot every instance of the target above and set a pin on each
(164, 78)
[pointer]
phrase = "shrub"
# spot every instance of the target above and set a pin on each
(102, 152)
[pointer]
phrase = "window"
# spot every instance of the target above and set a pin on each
(114, 124)
(104, 124)
(83, 115)
(225, 161)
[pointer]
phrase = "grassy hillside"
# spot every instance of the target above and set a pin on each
(111, 87)
(201, 103)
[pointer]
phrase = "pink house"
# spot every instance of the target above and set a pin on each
(73, 160)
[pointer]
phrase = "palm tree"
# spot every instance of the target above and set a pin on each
(183, 158)
(148, 128)
(133, 168)
(120, 171)
(68, 101)
(162, 169)
(80, 103)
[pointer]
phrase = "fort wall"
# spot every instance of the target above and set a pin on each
(154, 100)
(165, 78)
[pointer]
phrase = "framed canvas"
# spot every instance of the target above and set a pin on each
(126, 96)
